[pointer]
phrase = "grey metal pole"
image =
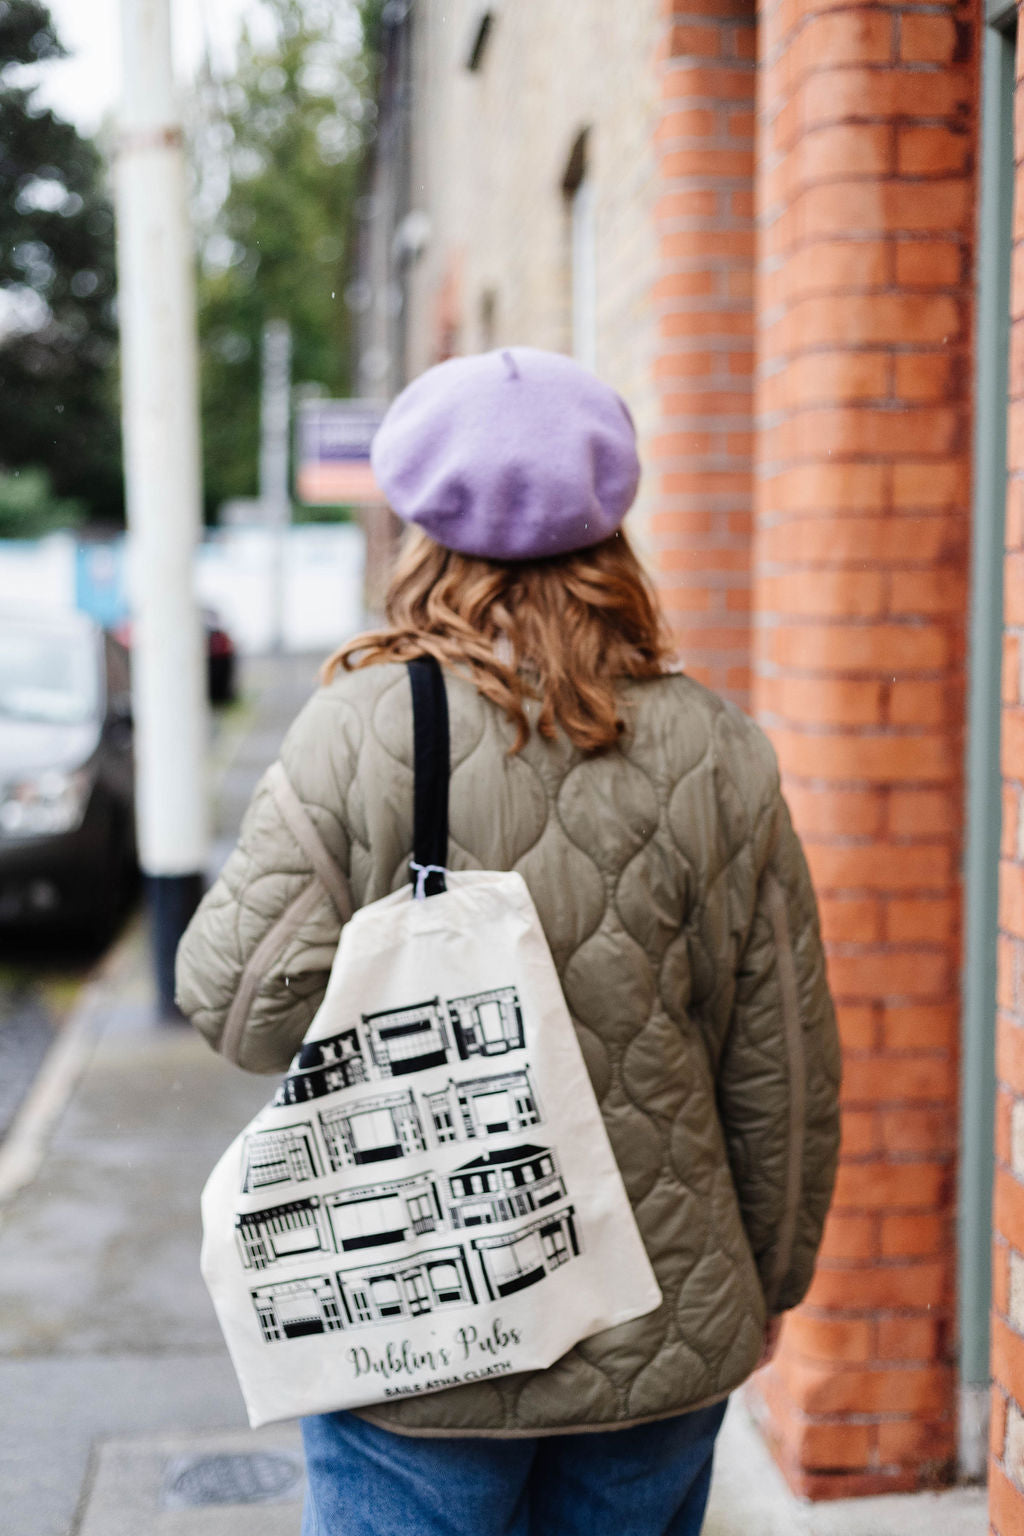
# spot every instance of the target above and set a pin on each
(981, 858)
(160, 416)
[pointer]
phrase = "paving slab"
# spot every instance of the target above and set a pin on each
(250, 1483)
(55, 1410)
(750, 1497)
(116, 1203)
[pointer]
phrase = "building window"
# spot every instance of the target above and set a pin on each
(292, 1309)
(281, 1232)
(384, 1213)
(386, 1294)
(526, 1109)
(443, 1126)
(374, 1131)
(416, 1296)
(447, 1283)
(404, 1040)
(279, 1157)
(359, 1306)
(323, 1067)
(436, 1279)
(483, 1106)
(421, 1214)
(556, 1246)
(487, 1023)
(477, 1193)
(514, 1261)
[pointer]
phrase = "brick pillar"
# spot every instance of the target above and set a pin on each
(701, 521)
(1006, 1472)
(866, 206)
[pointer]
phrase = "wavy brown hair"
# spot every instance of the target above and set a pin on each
(560, 630)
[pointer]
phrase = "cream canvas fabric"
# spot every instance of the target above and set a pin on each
(431, 1198)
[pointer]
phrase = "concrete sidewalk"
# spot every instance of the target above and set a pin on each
(113, 1377)
(119, 1412)
(105, 1327)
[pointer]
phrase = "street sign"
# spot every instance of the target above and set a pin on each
(333, 458)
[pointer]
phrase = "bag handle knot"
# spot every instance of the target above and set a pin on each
(422, 872)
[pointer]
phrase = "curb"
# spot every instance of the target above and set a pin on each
(25, 1144)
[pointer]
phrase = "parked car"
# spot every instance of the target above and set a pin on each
(67, 818)
(221, 661)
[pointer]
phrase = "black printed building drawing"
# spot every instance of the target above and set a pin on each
(515, 1260)
(409, 1287)
(322, 1067)
(403, 1040)
(373, 1130)
(279, 1232)
(379, 1214)
(483, 1106)
(289, 1309)
(285, 1156)
(487, 1023)
(501, 1185)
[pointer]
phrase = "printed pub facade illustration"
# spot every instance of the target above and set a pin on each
(360, 1249)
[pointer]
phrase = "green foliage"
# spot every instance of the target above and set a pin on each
(371, 20)
(318, 514)
(285, 134)
(29, 508)
(58, 339)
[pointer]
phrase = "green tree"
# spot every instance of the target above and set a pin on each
(29, 508)
(277, 153)
(58, 337)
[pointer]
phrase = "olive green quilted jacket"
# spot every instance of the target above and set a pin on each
(680, 914)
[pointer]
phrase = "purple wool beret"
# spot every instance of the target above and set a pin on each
(512, 455)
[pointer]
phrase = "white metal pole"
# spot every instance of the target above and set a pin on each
(275, 420)
(160, 415)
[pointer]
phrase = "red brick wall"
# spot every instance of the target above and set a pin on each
(866, 206)
(701, 523)
(1006, 1479)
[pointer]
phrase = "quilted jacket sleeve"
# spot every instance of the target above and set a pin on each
(253, 964)
(778, 1082)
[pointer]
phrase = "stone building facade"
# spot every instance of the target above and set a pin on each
(787, 236)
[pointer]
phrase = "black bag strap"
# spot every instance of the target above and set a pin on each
(431, 769)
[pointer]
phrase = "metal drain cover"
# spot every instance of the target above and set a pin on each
(243, 1477)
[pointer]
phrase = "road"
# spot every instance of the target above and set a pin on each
(41, 976)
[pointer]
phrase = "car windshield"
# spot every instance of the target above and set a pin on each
(48, 675)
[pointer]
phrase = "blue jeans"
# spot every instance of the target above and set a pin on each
(651, 1480)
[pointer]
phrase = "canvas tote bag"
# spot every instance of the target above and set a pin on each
(431, 1197)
